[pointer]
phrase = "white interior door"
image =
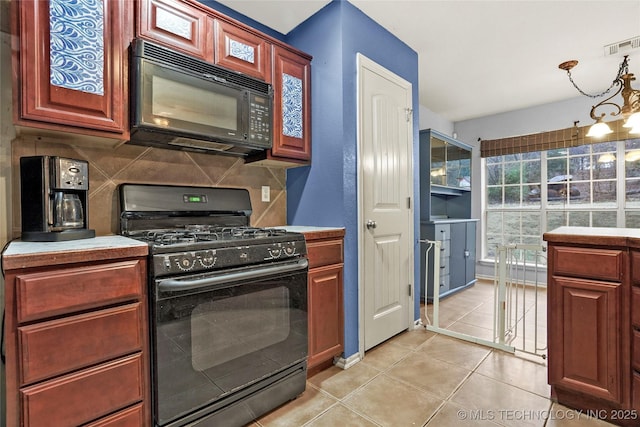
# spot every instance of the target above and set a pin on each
(385, 191)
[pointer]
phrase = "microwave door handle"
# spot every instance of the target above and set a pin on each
(169, 285)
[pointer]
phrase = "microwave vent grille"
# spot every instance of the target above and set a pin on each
(201, 68)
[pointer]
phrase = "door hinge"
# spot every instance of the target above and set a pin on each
(409, 202)
(410, 289)
(408, 112)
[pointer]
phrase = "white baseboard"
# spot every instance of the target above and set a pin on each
(343, 363)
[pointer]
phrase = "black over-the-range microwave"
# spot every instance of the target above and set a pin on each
(181, 102)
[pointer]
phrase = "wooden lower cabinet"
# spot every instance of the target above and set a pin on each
(76, 344)
(593, 321)
(584, 340)
(325, 298)
(84, 395)
(326, 323)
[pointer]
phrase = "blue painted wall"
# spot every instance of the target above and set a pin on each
(325, 193)
(244, 19)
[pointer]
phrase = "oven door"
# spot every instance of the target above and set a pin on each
(219, 336)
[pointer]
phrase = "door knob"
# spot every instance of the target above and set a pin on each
(371, 224)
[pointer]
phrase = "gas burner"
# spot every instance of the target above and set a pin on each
(206, 233)
(252, 232)
(199, 228)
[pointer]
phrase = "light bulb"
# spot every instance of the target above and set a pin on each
(633, 121)
(599, 129)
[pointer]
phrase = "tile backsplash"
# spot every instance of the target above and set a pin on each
(109, 167)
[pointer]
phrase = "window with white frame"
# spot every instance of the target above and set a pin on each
(527, 194)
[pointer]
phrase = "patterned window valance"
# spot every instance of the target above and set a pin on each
(562, 138)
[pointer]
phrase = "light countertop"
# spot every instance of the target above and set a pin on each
(595, 236)
(314, 233)
(20, 254)
(307, 228)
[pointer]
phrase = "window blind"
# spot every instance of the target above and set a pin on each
(561, 138)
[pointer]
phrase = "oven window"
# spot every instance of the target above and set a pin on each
(219, 335)
(211, 344)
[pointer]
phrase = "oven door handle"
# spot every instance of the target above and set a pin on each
(183, 285)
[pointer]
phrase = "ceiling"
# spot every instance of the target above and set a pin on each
(480, 57)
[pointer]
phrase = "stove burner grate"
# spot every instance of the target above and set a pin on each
(205, 233)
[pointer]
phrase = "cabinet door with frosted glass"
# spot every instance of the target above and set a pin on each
(72, 65)
(241, 50)
(291, 105)
(177, 25)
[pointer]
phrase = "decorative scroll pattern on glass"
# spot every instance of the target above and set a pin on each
(291, 106)
(242, 51)
(173, 24)
(77, 45)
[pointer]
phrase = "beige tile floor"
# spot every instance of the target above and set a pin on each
(420, 378)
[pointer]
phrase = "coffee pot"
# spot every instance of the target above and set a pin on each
(54, 196)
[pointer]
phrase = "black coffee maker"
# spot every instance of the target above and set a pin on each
(54, 196)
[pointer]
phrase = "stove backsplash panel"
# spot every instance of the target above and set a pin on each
(109, 167)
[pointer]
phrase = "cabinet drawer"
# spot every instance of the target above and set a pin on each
(635, 307)
(84, 396)
(603, 264)
(442, 232)
(635, 267)
(444, 267)
(41, 295)
(325, 253)
(445, 249)
(130, 417)
(444, 283)
(60, 346)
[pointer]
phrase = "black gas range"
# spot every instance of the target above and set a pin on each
(228, 304)
(197, 248)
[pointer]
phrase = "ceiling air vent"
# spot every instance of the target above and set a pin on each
(614, 48)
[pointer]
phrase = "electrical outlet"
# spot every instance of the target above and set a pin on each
(266, 193)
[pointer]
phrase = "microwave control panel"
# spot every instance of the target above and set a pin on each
(260, 119)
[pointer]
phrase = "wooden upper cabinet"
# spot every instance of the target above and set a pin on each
(70, 77)
(177, 25)
(292, 105)
(242, 51)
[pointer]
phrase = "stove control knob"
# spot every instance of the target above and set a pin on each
(275, 251)
(207, 258)
(290, 250)
(185, 262)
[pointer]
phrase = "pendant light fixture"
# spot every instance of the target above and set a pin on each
(629, 110)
